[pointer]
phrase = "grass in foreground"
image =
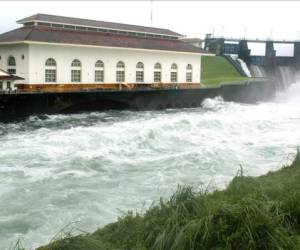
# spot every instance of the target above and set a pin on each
(251, 213)
(216, 70)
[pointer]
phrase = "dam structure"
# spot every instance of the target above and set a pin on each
(275, 59)
(67, 65)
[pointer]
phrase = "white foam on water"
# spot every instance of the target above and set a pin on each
(90, 167)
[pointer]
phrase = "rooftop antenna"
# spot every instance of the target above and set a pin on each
(245, 32)
(271, 33)
(151, 13)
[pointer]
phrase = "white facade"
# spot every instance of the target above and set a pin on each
(31, 59)
(20, 52)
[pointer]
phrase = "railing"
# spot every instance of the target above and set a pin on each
(89, 87)
(256, 39)
(8, 91)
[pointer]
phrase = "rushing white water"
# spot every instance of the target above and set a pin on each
(286, 75)
(93, 167)
(244, 67)
(242, 63)
(257, 71)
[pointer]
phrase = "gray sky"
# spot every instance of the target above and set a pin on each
(191, 18)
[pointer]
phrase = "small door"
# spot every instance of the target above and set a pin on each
(8, 85)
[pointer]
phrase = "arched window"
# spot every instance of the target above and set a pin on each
(11, 65)
(157, 72)
(139, 74)
(50, 70)
(11, 61)
(120, 73)
(99, 71)
(174, 72)
(189, 73)
(76, 71)
(76, 63)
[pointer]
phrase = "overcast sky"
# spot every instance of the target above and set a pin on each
(191, 18)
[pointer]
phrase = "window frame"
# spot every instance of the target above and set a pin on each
(50, 70)
(75, 75)
(11, 67)
(8, 85)
(157, 73)
(99, 71)
(189, 73)
(76, 71)
(120, 72)
(139, 73)
(174, 73)
(99, 75)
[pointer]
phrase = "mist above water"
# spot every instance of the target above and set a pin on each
(93, 167)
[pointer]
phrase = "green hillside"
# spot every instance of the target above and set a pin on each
(216, 70)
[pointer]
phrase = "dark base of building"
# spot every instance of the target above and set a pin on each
(19, 106)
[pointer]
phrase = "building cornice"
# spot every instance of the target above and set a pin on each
(12, 43)
(105, 47)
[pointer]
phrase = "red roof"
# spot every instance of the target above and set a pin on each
(64, 36)
(98, 24)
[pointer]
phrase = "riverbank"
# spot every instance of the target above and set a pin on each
(251, 213)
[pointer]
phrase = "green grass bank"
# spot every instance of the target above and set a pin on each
(216, 70)
(251, 213)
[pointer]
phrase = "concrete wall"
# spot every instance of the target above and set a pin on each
(65, 54)
(17, 106)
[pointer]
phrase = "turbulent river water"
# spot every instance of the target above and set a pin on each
(91, 168)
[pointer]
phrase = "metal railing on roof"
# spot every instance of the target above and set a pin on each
(251, 39)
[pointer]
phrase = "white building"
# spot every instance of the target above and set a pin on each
(55, 49)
